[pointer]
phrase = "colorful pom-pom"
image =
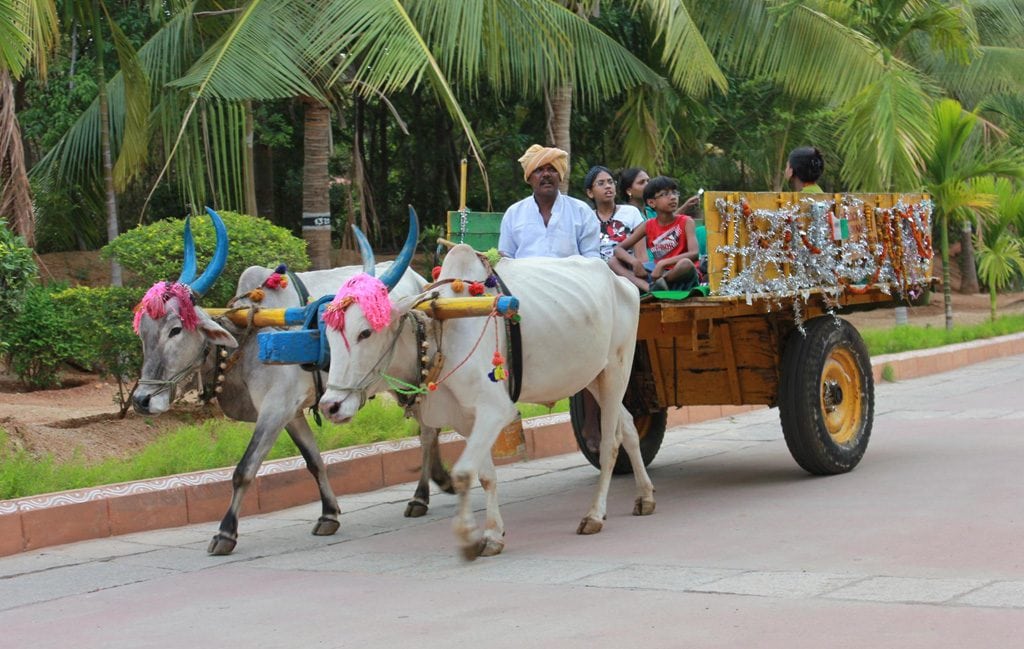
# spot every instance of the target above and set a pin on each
(497, 359)
(497, 374)
(493, 256)
(276, 281)
(281, 269)
(257, 295)
(432, 386)
(516, 318)
(476, 288)
(458, 285)
(491, 281)
(435, 272)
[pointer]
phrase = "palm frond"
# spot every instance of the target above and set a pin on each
(756, 38)
(883, 131)
(134, 149)
(515, 46)
(75, 159)
(994, 70)
(691, 65)
(258, 57)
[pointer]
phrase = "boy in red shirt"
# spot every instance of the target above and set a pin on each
(671, 239)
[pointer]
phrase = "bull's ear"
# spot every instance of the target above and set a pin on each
(403, 304)
(215, 333)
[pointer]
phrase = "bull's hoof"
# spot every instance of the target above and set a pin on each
(415, 509)
(221, 545)
(589, 526)
(444, 482)
(326, 526)
(473, 550)
(492, 546)
(643, 507)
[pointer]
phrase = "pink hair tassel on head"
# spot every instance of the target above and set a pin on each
(372, 296)
(154, 304)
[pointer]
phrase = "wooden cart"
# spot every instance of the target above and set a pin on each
(793, 351)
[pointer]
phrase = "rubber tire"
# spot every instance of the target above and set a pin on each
(650, 428)
(832, 345)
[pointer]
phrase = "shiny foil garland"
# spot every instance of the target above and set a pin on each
(788, 251)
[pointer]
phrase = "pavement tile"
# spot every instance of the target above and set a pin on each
(778, 584)
(906, 589)
(1002, 594)
(652, 577)
(72, 580)
(505, 569)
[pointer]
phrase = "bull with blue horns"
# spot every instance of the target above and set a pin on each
(181, 341)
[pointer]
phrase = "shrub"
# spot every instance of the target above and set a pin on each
(17, 270)
(37, 339)
(100, 332)
(155, 252)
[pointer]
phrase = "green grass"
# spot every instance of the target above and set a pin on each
(910, 337)
(211, 444)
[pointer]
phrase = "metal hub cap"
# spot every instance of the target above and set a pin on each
(842, 392)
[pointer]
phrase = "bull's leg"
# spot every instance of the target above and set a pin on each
(431, 468)
(262, 441)
(644, 503)
(476, 461)
(609, 448)
(616, 428)
(494, 529)
(302, 435)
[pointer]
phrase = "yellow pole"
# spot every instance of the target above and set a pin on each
(462, 185)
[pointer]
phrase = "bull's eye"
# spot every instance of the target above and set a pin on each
(174, 332)
(363, 335)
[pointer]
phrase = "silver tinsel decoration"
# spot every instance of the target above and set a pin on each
(785, 252)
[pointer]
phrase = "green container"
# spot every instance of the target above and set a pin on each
(481, 229)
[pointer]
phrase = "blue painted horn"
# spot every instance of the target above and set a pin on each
(188, 268)
(220, 257)
(393, 274)
(365, 252)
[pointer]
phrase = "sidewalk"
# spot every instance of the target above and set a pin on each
(54, 519)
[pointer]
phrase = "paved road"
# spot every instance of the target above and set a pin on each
(918, 547)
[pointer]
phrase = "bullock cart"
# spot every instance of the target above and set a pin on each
(782, 268)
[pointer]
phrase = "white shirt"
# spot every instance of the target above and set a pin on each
(571, 230)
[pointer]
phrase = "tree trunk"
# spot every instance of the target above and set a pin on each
(947, 293)
(559, 107)
(968, 269)
(250, 164)
(15, 191)
(263, 163)
(108, 163)
(316, 200)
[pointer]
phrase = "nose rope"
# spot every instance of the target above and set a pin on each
(172, 383)
(375, 373)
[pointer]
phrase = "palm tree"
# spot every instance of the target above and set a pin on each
(1000, 241)
(28, 30)
(880, 63)
(957, 156)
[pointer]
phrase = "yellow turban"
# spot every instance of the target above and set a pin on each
(537, 156)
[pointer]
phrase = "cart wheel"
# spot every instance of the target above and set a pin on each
(826, 396)
(586, 426)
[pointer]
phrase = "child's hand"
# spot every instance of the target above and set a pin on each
(638, 269)
(690, 203)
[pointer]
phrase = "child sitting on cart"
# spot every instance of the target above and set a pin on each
(671, 239)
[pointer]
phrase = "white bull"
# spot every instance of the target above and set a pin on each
(272, 396)
(578, 328)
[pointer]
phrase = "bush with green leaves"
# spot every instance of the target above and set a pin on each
(154, 252)
(37, 339)
(100, 332)
(17, 270)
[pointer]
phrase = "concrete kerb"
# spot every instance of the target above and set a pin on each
(53, 519)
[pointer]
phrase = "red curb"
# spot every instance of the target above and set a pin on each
(65, 517)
